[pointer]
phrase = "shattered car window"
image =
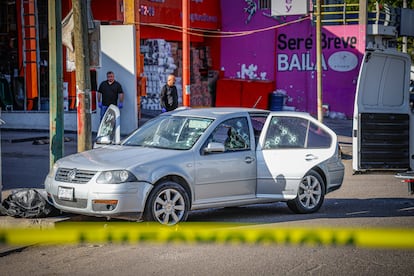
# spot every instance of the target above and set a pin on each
(286, 132)
(233, 133)
(289, 132)
(169, 132)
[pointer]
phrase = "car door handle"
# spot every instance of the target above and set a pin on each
(249, 159)
(310, 157)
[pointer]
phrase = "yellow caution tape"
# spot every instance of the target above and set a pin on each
(75, 233)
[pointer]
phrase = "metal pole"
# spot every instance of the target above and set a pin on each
(83, 82)
(186, 53)
(56, 122)
(319, 60)
(132, 18)
(362, 22)
(404, 38)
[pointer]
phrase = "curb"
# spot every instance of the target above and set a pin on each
(11, 222)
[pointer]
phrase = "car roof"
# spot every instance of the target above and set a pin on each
(215, 112)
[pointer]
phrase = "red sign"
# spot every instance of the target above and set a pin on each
(204, 14)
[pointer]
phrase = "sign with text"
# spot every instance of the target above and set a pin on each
(289, 7)
(203, 14)
(342, 52)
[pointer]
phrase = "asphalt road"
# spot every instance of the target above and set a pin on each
(25, 157)
(209, 259)
(364, 201)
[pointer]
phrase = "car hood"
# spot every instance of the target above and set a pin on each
(116, 157)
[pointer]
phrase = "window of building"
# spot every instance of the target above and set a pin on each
(264, 4)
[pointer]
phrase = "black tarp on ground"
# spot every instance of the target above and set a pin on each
(27, 203)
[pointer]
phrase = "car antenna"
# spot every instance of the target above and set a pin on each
(258, 100)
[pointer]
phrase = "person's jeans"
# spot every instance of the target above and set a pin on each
(103, 110)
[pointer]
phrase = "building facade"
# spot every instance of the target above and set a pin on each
(282, 49)
(240, 54)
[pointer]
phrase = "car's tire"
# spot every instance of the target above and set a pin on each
(311, 194)
(167, 203)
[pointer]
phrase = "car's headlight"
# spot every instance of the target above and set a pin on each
(115, 177)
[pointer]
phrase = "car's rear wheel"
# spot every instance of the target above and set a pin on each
(167, 203)
(311, 193)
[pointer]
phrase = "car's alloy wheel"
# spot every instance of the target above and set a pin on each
(168, 204)
(311, 193)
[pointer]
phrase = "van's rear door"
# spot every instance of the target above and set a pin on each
(382, 119)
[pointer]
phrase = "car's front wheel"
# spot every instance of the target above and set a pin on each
(167, 203)
(311, 193)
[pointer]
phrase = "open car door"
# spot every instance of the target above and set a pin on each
(109, 128)
(383, 123)
(289, 146)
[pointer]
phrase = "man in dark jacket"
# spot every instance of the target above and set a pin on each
(169, 95)
(110, 92)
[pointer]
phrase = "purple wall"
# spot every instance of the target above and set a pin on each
(247, 51)
(287, 55)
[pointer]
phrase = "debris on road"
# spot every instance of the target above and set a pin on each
(27, 203)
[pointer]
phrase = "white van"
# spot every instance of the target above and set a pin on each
(383, 124)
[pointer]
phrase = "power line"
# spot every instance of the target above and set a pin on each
(220, 34)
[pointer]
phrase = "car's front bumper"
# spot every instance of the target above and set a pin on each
(126, 200)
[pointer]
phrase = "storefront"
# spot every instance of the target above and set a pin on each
(23, 55)
(161, 48)
(24, 66)
(237, 40)
(282, 50)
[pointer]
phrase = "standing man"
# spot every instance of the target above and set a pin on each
(169, 95)
(108, 93)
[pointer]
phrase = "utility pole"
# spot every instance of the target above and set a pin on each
(319, 60)
(404, 38)
(362, 22)
(132, 18)
(83, 82)
(56, 128)
(186, 52)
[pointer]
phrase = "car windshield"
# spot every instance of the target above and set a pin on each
(169, 132)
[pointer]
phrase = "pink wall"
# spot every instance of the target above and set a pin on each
(296, 66)
(287, 55)
(244, 51)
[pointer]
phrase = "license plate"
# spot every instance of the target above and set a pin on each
(65, 193)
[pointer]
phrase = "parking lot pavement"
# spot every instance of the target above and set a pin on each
(343, 129)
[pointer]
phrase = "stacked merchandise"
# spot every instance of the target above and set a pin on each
(162, 58)
(200, 95)
(158, 64)
(200, 61)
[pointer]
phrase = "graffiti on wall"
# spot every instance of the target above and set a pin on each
(287, 55)
(250, 10)
(251, 73)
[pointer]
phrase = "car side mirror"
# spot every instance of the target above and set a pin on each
(103, 141)
(213, 147)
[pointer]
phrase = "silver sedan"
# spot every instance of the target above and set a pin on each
(201, 158)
